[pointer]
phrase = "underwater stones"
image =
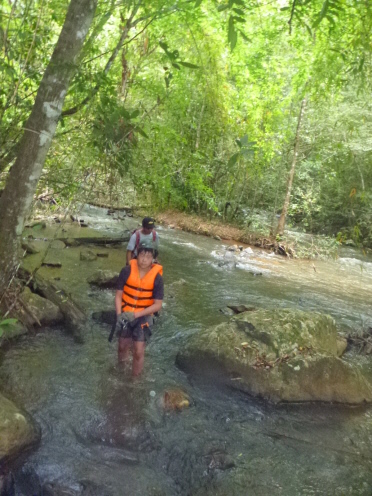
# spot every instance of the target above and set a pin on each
(30, 247)
(88, 255)
(341, 346)
(40, 309)
(179, 282)
(81, 488)
(175, 400)
(104, 279)
(17, 432)
(52, 489)
(52, 260)
(281, 355)
(71, 242)
(105, 316)
(37, 224)
(57, 244)
(227, 311)
(240, 308)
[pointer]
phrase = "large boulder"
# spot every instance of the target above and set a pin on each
(17, 431)
(46, 312)
(281, 355)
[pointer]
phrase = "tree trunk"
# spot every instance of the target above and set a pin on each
(15, 202)
(281, 223)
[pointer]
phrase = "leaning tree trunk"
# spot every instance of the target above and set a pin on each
(17, 196)
(281, 223)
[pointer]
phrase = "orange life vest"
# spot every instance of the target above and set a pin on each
(137, 292)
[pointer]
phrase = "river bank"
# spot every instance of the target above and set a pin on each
(292, 244)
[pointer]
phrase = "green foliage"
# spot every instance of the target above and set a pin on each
(5, 324)
(114, 132)
(167, 115)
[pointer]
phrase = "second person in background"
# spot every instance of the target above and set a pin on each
(146, 234)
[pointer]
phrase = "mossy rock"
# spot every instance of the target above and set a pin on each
(12, 331)
(17, 431)
(281, 355)
(46, 312)
(104, 279)
(88, 255)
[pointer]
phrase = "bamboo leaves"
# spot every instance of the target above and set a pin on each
(246, 150)
(174, 57)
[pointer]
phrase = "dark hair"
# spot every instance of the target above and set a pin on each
(146, 247)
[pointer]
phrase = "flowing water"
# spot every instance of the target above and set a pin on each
(104, 434)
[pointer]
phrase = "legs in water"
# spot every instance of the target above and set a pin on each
(138, 357)
(125, 345)
(138, 351)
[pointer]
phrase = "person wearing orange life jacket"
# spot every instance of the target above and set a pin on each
(139, 294)
(147, 233)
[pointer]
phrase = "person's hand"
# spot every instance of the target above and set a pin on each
(119, 323)
(128, 316)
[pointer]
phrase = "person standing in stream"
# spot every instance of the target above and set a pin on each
(139, 294)
(146, 233)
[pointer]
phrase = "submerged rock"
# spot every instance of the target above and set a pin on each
(240, 308)
(175, 399)
(53, 489)
(57, 244)
(104, 279)
(88, 255)
(17, 431)
(71, 242)
(105, 316)
(281, 355)
(30, 247)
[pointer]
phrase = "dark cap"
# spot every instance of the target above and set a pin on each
(148, 223)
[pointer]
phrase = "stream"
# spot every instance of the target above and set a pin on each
(105, 434)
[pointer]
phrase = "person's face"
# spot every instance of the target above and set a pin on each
(146, 230)
(144, 259)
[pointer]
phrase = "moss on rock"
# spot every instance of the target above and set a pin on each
(281, 355)
(17, 431)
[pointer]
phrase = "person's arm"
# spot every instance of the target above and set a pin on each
(156, 247)
(118, 301)
(129, 256)
(130, 248)
(155, 307)
(122, 279)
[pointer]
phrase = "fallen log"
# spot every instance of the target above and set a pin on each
(74, 316)
(96, 240)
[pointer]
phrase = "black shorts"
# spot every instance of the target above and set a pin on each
(138, 330)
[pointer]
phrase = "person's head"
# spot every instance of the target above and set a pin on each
(148, 224)
(145, 254)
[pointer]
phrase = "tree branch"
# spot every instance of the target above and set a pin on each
(127, 28)
(291, 18)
